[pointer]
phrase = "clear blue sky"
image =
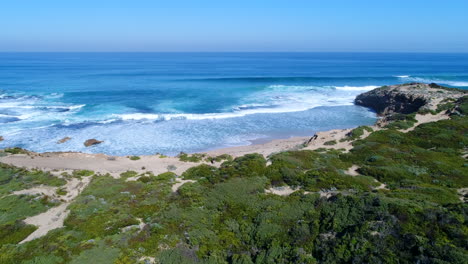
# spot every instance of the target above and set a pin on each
(241, 25)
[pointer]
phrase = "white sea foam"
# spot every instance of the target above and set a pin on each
(356, 88)
(402, 76)
(239, 113)
(435, 80)
(280, 87)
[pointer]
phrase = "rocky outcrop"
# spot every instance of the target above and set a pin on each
(63, 140)
(91, 142)
(406, 98)
(1, 138)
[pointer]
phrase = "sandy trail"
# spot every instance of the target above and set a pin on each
(54, 217)
(352, 171)
(38, 190)
(427, 119)
(179, 183)
(282, 191)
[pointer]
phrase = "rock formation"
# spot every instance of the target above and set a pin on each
(406, 98)
(63, 140)
(91, 142)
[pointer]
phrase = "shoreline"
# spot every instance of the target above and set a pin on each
(59, 162)
(331, 139)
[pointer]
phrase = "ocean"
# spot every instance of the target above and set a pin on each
(147, 103)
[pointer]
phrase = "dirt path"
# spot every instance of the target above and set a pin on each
(54, 217)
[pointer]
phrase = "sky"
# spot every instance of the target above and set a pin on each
(241, 25)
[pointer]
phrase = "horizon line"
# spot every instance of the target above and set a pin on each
(422, 52)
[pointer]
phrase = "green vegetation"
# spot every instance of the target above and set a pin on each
(15, 179)
(14, 208)
(225, 215)
(197, 157)
(357, 133)
(134, 158)
(61, 191)
(15, 232)
(462, 105)
(16, 150)
(82, 173)
(330, 143)
(401, 121)
(219, 158)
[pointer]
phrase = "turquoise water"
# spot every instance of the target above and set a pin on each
(144, 103)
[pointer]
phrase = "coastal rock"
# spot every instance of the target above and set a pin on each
(63, 140)
(91, 142)
(406, 98)
(1, 138)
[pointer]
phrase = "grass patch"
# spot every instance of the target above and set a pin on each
(401, 121)
(16, 150)
(197, 157)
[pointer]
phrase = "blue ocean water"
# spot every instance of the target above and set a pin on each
(145, 103)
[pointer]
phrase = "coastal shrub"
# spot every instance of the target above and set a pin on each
(307, 169)
(82, 173)
(430, 154)
(401, 121)
(425, 111)
(14, 179)
(250, 165)
(134, 158)
(61, 191)
(18, 207)
(330, 143)
(445, 107)
(197, 157)
(462, 105)
(128, 174)
(15, 232)
(318, 181)
(99, 254)
(16, 150)
(425, 193)
(357, 133)
(219, 158)
(204, 173)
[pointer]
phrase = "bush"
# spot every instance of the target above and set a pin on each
(191, 158)
(219, 158)
(134, 158)
(401, 121)
(357, 133)
(83, 173)
(16, 150)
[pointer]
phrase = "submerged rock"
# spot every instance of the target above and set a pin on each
(1, 138)
(63, 140)
(91, 142)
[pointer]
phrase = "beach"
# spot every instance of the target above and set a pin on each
(59, 162)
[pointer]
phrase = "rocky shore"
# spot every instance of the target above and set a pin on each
(407, 98)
